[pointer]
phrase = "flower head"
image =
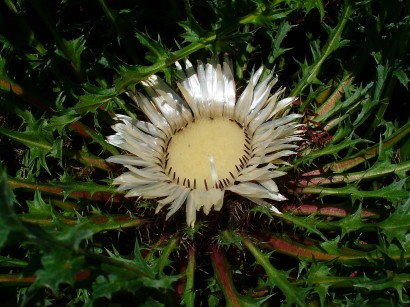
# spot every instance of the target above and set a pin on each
(195, 148)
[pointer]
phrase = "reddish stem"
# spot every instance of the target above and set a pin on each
(335, 97)
(50, 189)
(337, 211)
(221, 268)
(112, 221)
(81, 129)
(341, 166)
(17, 279)
(22, 93)
(294, 249)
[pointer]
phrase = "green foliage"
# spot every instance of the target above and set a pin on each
(59, 266)
(94, 98)
(397, 225)
(68, 238)
(7, 225)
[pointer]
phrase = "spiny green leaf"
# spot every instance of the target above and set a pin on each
(8, 218)
(193, 32)
(165, 282)
(328, 97)
(74, 48)
(132, 75)
(314, 4)
(38, 205)
(366, 154)
(394, 191)
(309, 223)
(94, 98)
(164, 259)
(138, 263)
(402, 76)
(65, 227)
(277, 50)
(77, 186)
(397, 282)
(74, 235)
(398, 223)
(10, 223)
(116, 279)
(38, 136)
(12, 262)
(59, 267)
(277, 277)
(228, 238)
(74, 189)
(334, 42)
(352, 222)
(138, 259)
(100, 139)
(31, 139)
(319, 271)
(157, 51)
(368, 105)
(382, 74)
(59, 122)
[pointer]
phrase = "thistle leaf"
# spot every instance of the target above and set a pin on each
(7, 216)
(94, 98)
(157, 53)
(397, 224)
(59, 267)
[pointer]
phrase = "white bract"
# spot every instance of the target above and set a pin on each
(195, 148)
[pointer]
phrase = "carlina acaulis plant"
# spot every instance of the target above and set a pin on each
(196, 147)
(204, 153)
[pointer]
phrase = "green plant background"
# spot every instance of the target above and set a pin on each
(66, 236)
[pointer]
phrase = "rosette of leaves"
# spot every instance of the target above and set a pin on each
(68, 238)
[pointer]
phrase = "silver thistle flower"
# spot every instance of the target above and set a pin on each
(195, 148)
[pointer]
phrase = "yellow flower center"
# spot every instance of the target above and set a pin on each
(207, 153)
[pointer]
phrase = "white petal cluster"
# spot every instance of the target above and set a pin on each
(208, 92)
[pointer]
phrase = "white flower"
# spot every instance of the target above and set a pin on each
(195, 148)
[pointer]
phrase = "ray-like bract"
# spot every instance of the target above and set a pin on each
(157, 170)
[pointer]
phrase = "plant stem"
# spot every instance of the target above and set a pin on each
(189, 291)
(164, 259)
(101, 222)
(327, 210)
(363, 156)
(277, 277)
(139, 73)
(221, 269)
(371, 173)
(105, 194)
